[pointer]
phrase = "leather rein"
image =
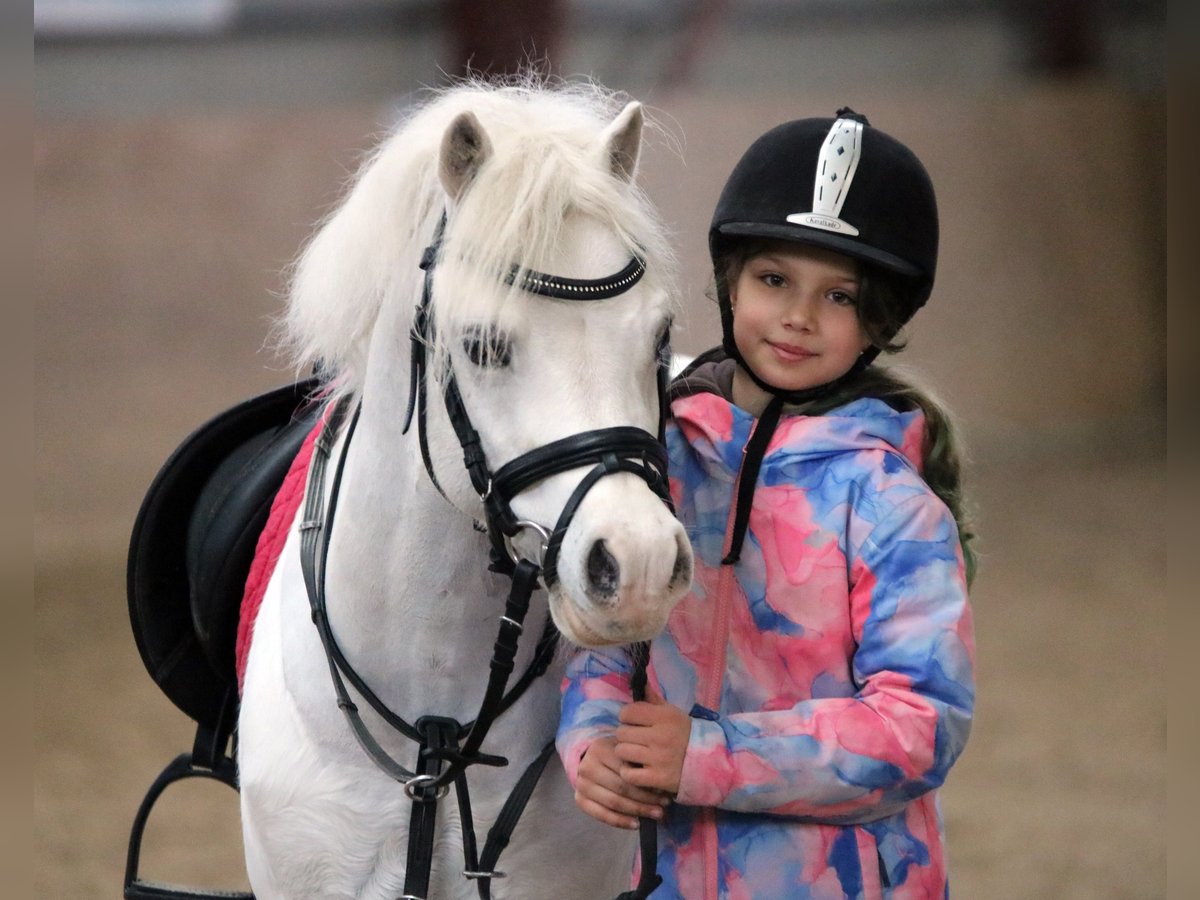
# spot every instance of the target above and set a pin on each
(447, 748)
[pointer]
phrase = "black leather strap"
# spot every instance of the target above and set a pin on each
(608, 464)
(648, 849)
(585, 448)
(437, 734)
(315, 530)
(512, 623)
(756, 448)
(649, 879)
(561, 288)
(501, 831)
(441, 759)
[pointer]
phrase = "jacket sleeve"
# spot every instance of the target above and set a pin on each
(863, 757)
(594, 688)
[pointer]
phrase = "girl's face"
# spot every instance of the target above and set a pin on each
(795, 320)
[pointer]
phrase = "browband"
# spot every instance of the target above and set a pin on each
(561, 288)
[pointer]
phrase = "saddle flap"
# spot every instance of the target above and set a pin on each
(194, 538)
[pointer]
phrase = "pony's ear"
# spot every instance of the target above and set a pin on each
(465, 147)
(623, 141)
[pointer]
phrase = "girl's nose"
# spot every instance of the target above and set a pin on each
(800, 314)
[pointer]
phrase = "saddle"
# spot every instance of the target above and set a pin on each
(194, 538)
(192, 546)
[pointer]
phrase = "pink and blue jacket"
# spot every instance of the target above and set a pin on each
(828, 673)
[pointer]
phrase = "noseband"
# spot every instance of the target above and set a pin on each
(608, 450)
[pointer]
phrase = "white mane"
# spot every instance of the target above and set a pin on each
(549, 162)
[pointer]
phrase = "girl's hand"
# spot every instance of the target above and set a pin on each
(651, 742)
(603, 794)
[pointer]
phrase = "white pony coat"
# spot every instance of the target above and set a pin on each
(412, 605)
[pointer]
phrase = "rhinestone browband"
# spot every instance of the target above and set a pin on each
(579, 288)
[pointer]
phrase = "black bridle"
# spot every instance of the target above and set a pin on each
(448, 747)
(608, 450)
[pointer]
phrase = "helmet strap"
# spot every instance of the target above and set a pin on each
(756, 449)
(816, 392)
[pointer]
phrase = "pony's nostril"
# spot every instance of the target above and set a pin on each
(678, 569)
(682, 570)
(604, 573)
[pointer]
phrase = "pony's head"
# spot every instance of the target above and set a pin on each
(529, 180)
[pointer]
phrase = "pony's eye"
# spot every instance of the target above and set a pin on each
(486, 349)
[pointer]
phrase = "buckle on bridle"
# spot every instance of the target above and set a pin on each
(523, 525)
(420, 783)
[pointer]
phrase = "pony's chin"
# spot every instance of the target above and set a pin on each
(602, 628)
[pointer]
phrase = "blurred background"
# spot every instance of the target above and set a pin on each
(184, 149)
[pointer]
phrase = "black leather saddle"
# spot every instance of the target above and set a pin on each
(194, 539)
(190, 553)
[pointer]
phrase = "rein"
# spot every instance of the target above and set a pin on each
(447, 747)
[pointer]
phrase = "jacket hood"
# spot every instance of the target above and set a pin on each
(718, 430)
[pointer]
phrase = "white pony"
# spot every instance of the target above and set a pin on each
(529, 180)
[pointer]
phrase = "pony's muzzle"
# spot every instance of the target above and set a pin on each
(604, 572)
(622, 567)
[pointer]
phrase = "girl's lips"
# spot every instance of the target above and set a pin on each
(789, 352)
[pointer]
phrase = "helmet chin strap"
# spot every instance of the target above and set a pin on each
(756, 447)
(864, 360)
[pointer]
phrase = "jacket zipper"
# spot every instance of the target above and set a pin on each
(718, 658)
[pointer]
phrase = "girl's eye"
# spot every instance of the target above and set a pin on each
(486, 349)
(772, 279)
(842, 298)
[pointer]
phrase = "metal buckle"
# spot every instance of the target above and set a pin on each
(467, 873)
(419, 783)
(522, 525)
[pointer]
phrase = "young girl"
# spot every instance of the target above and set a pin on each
(812, 691)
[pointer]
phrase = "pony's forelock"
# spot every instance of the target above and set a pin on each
(547, 164)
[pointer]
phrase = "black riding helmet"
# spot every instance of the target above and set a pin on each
(835, 183)
(838, 184)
